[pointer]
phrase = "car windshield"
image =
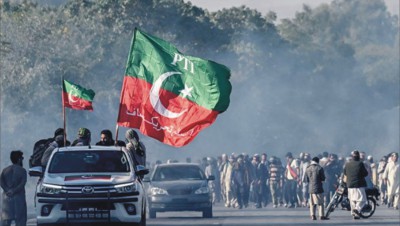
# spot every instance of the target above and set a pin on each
(168, 173)
(89, 161)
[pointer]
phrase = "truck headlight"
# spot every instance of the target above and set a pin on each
(126, 188)
(202, 190)
(158, 191)
(50, 189)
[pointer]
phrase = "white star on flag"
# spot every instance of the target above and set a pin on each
(186, 92)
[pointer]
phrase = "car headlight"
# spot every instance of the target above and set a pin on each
(202, 190)
(50, 189)
(158, 191)
(126, 188)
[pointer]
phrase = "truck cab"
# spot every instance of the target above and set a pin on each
(90, 184)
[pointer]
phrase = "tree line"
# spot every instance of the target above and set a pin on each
(317, 80)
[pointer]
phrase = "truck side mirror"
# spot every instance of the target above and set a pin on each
(36, 171)
(141, 171)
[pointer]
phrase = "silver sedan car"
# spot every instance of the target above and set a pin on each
(179, 187)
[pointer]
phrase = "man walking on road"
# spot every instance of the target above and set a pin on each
(314, 177)
(355, 172)
(292, 174)
(13, 180)
(392, 179)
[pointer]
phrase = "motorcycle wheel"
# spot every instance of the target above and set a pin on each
(346, 204)
(369, 208)
(332, 204)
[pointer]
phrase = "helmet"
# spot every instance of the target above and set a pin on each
(83, 133)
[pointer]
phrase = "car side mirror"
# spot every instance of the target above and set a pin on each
(141, 171)
(36, 171)
(211, 177)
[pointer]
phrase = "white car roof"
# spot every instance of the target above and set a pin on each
(91, 148)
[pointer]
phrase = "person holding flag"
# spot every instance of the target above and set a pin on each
(170, 96)
(76, 97)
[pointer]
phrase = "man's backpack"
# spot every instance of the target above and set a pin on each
(38, 150)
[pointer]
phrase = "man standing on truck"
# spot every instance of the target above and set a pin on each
(57, 143)
(83, 139)
(107, 140)
(13, 180)
(136, 147)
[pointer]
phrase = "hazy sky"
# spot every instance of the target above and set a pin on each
(283, 8)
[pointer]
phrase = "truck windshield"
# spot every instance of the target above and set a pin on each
(89, 161)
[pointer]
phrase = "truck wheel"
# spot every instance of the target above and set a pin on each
(143, 220)
(207, 213)
(141, 223)
(152, 214)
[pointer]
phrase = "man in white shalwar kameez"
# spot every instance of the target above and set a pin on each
(227, 181)
(391, 176)
(13, 179)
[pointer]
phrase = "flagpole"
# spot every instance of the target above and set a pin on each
(120, 101)
(65, 133)
(116, 134)
(63, 106)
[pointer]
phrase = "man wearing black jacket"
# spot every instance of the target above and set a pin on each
(107, 140)
(314, 177)
(355, 172)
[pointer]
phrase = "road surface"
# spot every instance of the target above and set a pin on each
(268, 216)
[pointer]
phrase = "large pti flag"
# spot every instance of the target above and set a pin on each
(77, 97)
(168, 95)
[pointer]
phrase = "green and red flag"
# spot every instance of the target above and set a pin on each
(76, 97)
(168, 95)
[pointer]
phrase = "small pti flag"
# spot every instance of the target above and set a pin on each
(77, 97)
(168, 95)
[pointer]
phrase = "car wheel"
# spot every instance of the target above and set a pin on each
(207, 213)
(152, 214)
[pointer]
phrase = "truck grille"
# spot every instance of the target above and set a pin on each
(78, 205)
(88, 189)
(88, 210)
(89, 214)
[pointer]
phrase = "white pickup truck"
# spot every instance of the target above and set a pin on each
(84, 184)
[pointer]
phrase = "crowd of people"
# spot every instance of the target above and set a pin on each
(240, 179)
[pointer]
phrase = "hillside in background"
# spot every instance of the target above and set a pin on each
(326, 80)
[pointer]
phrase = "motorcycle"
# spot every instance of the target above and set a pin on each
(340, 197)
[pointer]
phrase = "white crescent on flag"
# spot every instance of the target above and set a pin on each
(155, 97)
(71, 97)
